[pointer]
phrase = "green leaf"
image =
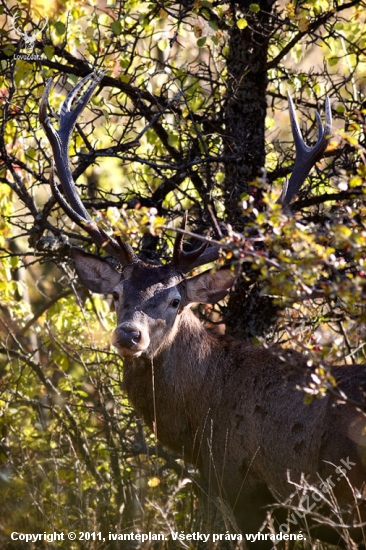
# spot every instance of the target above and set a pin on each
(9, 50)
(201, 42)
(31, 153)
(92, 47)
(81, 393)
(116, 27)
(255, 8)
(125, 78)
(124, 62)
(49, 51)
(60, 28)
(89, 32)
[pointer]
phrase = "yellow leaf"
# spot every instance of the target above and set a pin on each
(198, 31)
(290, 10)
(303, 24)
(153, 482)
(355, 181)
(162, 45)
(332, 145)
(163, 14)
(241, 23)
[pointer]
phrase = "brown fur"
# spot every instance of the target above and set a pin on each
(234, 410)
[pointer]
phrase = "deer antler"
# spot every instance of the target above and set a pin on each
(59, 139)
(44, 25)
(306, 156)
(186, 261)
(305, 159)
(16, 28)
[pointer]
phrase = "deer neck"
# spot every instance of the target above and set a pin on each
(174, 389)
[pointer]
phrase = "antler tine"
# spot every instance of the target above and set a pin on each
(186, 261)
(205, 254)
(59, 140)
(306, 156)
(178, 244)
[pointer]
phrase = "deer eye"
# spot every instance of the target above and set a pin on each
(175, 303)
(115, 296)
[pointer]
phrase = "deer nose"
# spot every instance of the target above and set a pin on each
(126, 336)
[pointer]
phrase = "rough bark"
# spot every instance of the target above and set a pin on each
(245, 106)
(245, 111)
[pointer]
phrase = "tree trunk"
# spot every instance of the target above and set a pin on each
(244, 142)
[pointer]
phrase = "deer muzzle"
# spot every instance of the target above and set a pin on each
(130, 340)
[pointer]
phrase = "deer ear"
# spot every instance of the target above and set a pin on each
(210, 287)
(96, 274)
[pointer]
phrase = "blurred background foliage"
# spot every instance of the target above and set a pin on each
(191, 115)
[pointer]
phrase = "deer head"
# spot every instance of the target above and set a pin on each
(29, 41)
(149, 298)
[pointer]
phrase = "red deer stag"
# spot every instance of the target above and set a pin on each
(232, 409)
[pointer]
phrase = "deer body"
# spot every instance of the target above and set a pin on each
(234, 410)
(235, 413)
